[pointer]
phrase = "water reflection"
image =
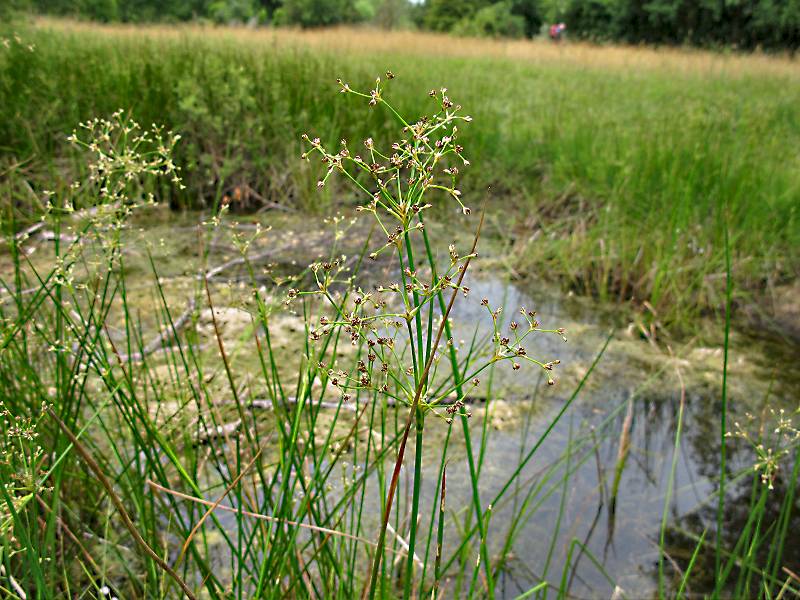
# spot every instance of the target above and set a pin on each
(605, 516)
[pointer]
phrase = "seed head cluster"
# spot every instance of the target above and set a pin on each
(773, 439)
(122, 156)
(395, 320)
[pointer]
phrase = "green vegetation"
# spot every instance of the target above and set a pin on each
(742, 24)
(190, 410)
(478, 18)
(616, 179)
(242, 462)
(305, 13)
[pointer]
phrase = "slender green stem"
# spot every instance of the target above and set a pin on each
(724, 407)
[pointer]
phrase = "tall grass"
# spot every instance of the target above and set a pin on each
(153, 443)
(149, 451)
(612, 165)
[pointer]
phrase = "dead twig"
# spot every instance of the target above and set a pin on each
(164, 335)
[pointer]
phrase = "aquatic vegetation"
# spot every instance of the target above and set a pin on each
(241, 429)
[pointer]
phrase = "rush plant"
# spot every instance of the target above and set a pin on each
(398, 185)
(73, 352)
(149, 450)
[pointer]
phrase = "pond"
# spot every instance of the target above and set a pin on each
(576, 473)
(589, 502)
(610, 532)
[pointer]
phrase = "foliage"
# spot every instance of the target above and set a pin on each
(531, 13)
(392, 14)
(233, 11)
(591, 19)
(495, 20)
(11, 8)
(314, 13)
(773, 24)
(742, 24)
(306, 13)
(443, 15)
(127, 10)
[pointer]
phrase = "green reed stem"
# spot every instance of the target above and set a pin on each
(417, 396)
(724, 408)
(458, 382)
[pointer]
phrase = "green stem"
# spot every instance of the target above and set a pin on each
(464, 424)
(724, 409)
(412, 536)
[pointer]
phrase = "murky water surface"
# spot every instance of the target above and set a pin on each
(611, 531)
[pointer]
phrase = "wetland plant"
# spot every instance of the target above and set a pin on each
(397, 185)
(148, 427)
(270, 460)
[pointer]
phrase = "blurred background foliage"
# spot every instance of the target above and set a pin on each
(745, 24)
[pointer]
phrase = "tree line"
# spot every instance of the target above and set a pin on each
(745, 24)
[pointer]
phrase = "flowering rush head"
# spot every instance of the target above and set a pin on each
(399, 183)
(122, 154)
(396, 180)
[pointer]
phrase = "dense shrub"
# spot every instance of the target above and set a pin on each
(312, 13)
(746, 24)
(530, 12)
(495, 20)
